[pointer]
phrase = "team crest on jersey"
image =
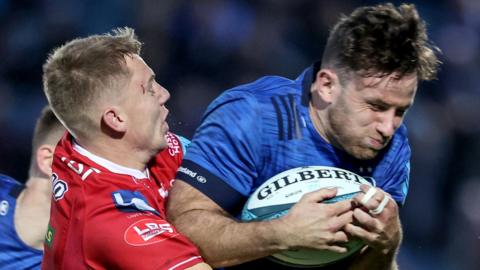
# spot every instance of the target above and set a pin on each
(149, 231)
(60, 187)
(132, 201)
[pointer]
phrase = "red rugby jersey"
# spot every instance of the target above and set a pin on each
(106, 216)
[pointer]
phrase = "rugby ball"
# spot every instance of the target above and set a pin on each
(278, 194)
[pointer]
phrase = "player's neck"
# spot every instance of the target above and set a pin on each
(37, 190)
(32, 211)
(318, 121)
(118, 152)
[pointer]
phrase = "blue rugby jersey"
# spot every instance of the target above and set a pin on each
(254, 131)
(14, 253)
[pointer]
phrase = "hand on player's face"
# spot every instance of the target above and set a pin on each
(376, 220)
(312, 224)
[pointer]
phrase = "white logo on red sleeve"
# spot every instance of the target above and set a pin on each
(149, 231)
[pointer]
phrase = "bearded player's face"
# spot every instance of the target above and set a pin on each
(367, 111)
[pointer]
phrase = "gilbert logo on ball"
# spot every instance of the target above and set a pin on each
(278, 194)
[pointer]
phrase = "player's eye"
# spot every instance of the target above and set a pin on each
(377, 107)
(400, 113)
(151, 91)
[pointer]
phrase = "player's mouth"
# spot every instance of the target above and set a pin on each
(376, 144)
(167, 128)
(165, 123)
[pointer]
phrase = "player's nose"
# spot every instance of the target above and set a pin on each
(163, 96)
(388, 124)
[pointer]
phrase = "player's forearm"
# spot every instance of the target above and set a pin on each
(373, 259)
(224, 242)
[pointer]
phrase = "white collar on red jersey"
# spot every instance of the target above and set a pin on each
(111, 166)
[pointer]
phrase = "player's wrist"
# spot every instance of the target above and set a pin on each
(279, 236)
(396, 241)
(388, 251)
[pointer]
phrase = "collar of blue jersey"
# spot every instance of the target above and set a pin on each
(307, 80)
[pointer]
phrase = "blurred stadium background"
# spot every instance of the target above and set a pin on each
(199, 48)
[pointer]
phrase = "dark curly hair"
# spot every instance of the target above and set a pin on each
(382, 39)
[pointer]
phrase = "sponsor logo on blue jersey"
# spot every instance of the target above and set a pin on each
(132, 201)
(192, 174)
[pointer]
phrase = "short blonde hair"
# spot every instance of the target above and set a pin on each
(84, 70)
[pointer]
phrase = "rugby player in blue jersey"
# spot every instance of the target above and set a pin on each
(344, 111)
(25, 209)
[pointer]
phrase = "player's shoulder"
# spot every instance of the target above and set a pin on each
(402, 132)
(266, 83)
(7, 180)
(253, 97)
(400, 140)
(399, 151)
(264, 87)
(8, 183)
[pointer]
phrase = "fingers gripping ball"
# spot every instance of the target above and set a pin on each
(369, 196)
(277, 195)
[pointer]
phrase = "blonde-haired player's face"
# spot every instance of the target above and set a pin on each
(145, 106)
(367, 112)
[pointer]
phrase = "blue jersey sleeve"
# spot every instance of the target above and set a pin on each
(221, 160)
(396, 167)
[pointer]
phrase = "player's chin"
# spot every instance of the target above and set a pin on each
(161, 144)
(364, 153)
(166, 127)
(160, 141)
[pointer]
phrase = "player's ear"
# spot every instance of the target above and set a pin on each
(114, 120)
(44, 158)
(326, 85)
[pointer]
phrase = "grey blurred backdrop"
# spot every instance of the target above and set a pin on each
(200, 48)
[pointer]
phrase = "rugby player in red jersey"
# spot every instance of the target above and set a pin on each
(113, 168)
